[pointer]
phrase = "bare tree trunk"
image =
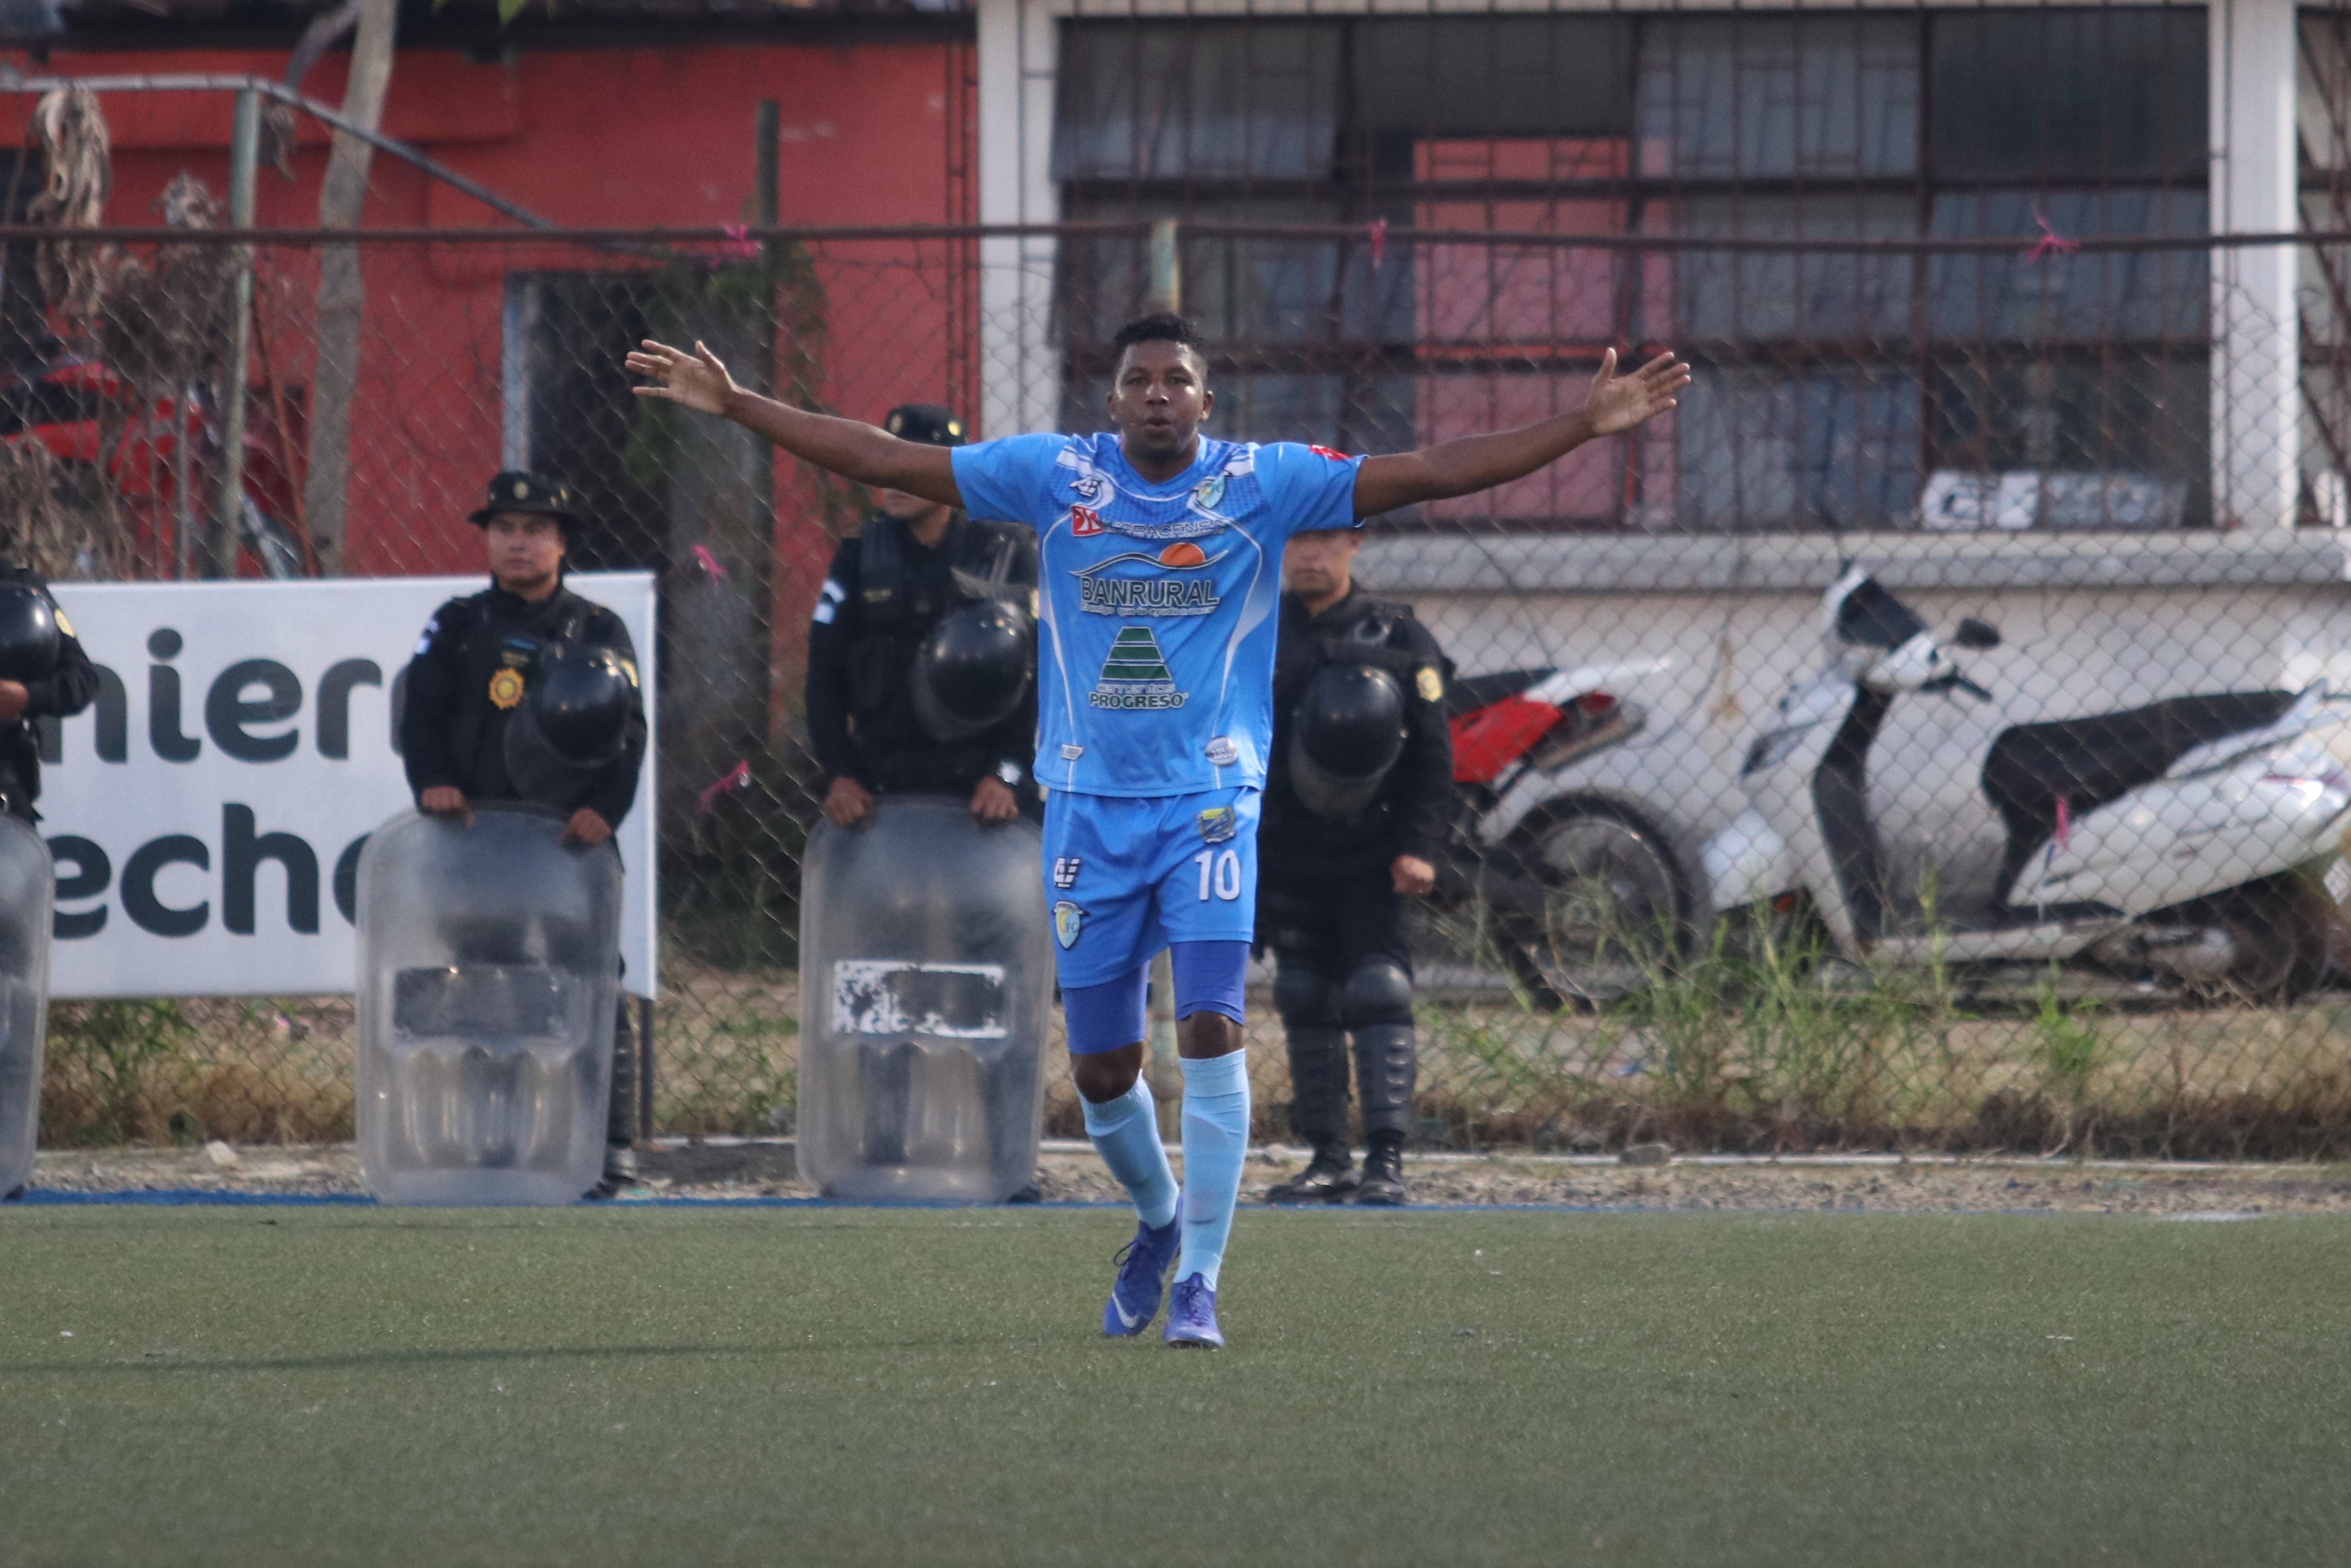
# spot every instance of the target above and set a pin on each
(342, 298)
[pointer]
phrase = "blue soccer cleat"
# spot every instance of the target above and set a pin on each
(1142, 1265)
(1192, 1316)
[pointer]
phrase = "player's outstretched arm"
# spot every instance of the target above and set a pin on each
(1477, 463)
(845, 446)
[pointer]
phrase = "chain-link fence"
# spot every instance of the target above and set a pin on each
(2032, 842)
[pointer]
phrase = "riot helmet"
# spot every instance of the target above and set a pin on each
(29, 637)
(972, 671)
(1346, 733)
(572, 724)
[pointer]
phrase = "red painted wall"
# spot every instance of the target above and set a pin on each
(607, 137)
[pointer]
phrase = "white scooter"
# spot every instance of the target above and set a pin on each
(2180, 844)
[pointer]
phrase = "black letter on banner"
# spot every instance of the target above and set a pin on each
(347, 880)
(164, 702)
(227, 712)
(113, 717)
(92, 873)
(242, 853)
(139, 901)
(335, 703)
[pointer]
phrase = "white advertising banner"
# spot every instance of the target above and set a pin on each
(206, 811)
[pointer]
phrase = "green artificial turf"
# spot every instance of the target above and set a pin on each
(637, 1385)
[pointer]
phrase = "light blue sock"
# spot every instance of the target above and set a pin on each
(1215, 1141)
(1125, 1132)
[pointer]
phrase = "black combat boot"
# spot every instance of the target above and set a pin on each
(1328, 1177)
(1383, 1183)
(620, 1172)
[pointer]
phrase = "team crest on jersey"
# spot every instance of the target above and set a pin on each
(1065, 871)
(1067, 921)
(1218, 824)
(1101, 594)
(1089, 487)
(1084, 522)
(1208, 494)
(1135, 676)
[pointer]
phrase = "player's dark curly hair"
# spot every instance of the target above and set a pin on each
(1159, 327)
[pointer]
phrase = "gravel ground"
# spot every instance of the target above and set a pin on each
(764, 1169)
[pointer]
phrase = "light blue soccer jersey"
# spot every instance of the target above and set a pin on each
(1155, 666)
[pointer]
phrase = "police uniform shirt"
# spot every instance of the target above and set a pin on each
(1412, 813)
(65, 691)
(860, 713)
(473, 668)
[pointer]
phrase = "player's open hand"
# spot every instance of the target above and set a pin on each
(1617, 405)
(696, 381)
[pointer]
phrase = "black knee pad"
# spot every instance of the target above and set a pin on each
(1302, 995)
(1379, 991)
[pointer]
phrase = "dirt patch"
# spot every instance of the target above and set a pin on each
(764, 1168)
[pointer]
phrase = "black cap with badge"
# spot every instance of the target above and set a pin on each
(535, 495)
(926, 422)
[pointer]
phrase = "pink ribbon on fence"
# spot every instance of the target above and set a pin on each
(741, 243)
(2064, 823)
(735, 778)
(2051, 242)
(709, 563)
(1378, 230)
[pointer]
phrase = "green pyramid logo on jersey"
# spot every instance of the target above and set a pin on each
(1135, 675)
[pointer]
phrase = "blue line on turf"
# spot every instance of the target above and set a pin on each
(191, 1197)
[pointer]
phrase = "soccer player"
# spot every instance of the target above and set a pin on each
(1159, 560)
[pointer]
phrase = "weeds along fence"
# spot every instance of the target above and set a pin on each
(2115, 451)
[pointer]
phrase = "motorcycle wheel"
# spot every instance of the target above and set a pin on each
(2280, 928)
(1614, 908)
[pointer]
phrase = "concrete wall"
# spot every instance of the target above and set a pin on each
(2089, 624)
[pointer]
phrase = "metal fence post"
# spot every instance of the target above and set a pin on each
(243, 159)
(1166, 288)
(644, 1070)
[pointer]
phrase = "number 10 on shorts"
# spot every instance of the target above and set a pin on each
(1219, 872)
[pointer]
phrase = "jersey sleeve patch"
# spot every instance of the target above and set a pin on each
(1006, 479)
(1312, 487)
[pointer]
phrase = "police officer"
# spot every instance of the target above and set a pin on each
(481, 659)
(1358, 798)
(922, 654)
(44, 674)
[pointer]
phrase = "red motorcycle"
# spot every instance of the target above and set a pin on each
(152, 452)
(1576, 807)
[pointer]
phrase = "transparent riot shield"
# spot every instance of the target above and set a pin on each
(489, 972)
(926, 967)
(27, 893)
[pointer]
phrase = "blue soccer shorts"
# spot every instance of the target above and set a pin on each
(1127, 877)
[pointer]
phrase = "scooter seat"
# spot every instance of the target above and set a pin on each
(2086, 762)
(1467, 693)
